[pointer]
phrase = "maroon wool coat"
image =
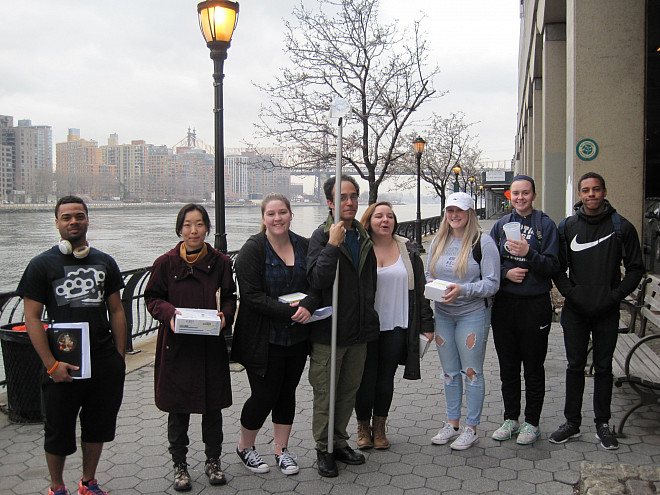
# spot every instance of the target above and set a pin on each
(191, 371)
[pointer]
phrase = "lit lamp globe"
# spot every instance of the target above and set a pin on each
(217, 21)
(419, 144)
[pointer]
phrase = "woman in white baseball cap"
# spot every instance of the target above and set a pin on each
(469, 260)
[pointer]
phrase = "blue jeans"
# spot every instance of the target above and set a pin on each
(461, 343)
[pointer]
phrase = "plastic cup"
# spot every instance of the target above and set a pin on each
(512, 231)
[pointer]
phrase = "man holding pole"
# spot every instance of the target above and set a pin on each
(346, 245)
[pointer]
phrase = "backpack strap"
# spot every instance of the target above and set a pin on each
(537, 224)
(616, 220)
(476, 248)
(477, 255)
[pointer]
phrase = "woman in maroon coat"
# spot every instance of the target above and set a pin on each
(192, 371)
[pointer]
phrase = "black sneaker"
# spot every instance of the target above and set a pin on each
(606, 436)
(252, 460)
(565, 432)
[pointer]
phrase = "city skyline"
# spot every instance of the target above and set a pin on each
(142, 70)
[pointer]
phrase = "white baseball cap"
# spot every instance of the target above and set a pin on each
(461, 200)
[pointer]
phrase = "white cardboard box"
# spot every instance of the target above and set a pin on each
(197, 321)
(435, 290)
(291, 298)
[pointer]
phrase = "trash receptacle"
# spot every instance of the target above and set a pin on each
(23, 372)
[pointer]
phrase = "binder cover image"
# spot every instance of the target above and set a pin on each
(69, 343)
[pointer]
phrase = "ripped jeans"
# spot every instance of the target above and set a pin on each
(461, 343)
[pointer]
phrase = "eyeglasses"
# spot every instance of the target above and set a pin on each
(345, 197)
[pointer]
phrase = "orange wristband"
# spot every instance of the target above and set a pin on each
(53, 368)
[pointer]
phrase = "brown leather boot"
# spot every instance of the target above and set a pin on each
(380, 439)
(364, 440)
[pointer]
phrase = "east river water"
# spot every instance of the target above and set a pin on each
(136, 236)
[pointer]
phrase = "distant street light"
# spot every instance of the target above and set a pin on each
(481, 190)
(217, 20)
(457, 170)
(419, 144)
(471, 179)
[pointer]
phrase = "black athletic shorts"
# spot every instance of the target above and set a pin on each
(96, 400)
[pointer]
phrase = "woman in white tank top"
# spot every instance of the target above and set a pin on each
(403, 312)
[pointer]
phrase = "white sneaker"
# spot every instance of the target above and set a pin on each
(528, 434)
(465, 440)
(446, 433)
(509, 428)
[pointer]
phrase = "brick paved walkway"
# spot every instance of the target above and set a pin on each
(138, 463)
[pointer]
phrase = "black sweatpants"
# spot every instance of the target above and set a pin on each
(520, 330)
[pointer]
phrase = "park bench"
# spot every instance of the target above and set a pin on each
(633, 305)
(634, 361)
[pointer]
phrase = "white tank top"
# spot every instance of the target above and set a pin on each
(392, 296)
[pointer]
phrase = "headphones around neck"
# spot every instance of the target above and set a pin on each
(79, 253)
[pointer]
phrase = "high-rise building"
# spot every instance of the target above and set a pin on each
(31, 168)
(6, 173)
(160, 180)
(193, 174)
(79, 166)
(255, 174)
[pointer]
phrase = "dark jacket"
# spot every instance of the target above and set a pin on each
(420, 315)
(257, 308)
(191, 371)
(541, 261)
(589, 247)
(357, 319)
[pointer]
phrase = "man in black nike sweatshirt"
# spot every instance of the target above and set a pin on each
(592, 244)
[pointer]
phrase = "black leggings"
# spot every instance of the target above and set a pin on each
(377, 386)
(276, 391)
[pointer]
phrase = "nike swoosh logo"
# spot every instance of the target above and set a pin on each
(544, 327)
(576, 246)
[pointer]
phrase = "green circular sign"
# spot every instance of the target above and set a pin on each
(587, 149)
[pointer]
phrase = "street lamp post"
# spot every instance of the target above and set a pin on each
(481, 190)
(217, 21)
(471, 180)
(457, 170)
(419, 144)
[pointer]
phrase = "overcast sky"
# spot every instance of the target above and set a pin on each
(141, 69)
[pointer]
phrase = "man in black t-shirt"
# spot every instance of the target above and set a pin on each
(77, 284)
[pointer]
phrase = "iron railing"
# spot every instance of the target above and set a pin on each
(139, 322)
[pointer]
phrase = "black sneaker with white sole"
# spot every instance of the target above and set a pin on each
(252, 460)
(565, 432)
(606, 436)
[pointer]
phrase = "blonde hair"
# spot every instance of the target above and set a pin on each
(443, 239)
(273, 197)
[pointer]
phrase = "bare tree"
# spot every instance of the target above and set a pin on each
(341, 50)
(449, 143)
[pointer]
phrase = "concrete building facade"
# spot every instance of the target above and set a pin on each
(585, 69)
